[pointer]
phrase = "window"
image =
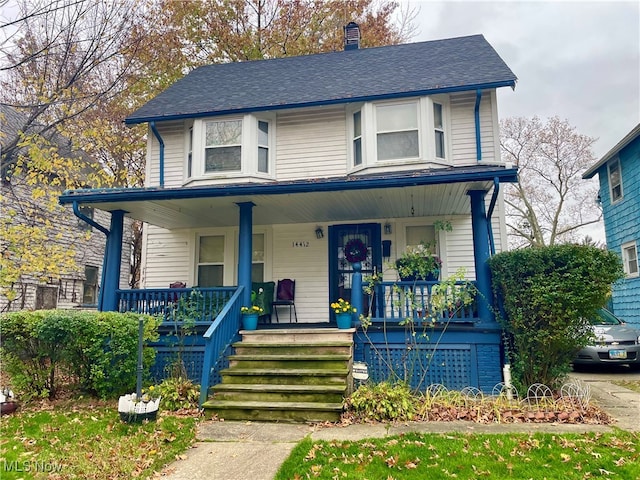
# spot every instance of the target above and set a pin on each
(90, 286)
(223, 146)
(419, 234)
(46, 297)
(438, 125)
(615, 180)
(87, 212)
(397, 131)
(257, 265)
(211, 261)
(630, 259)
(357, 138)
(263, 146)
(190, 154)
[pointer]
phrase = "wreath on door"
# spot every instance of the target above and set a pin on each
(355, 250)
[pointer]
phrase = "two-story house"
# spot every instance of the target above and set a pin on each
(265, 170)
(619, 175)
(79, 287)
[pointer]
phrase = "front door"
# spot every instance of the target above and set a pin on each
(340, 270)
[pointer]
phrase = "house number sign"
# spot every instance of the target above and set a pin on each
(304, 244)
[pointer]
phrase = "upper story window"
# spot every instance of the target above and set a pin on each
(230, 147)
(630, 259)
(615, 180)
(387, 133)
(357, 138)
(397, 134)
(223, 146)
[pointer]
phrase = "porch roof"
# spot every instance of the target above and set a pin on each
(389, 195)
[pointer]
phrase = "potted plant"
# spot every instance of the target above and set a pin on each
(250, 314)
(344, 313)
(419, 263)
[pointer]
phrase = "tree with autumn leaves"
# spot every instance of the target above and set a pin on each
(77, 68)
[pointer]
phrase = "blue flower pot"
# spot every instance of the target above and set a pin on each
(250, 322)
(344, 320)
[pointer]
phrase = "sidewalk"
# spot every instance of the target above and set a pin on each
(246, 450)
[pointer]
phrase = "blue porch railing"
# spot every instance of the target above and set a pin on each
(397, 301)
(218, 339)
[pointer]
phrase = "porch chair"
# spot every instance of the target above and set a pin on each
(285, 297)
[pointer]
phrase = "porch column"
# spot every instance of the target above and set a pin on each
(112, 263)
(245, 249)
(481, 254)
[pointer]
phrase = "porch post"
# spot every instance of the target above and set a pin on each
(479, 225)
(112, 263)
(245, 255)
(356, 290)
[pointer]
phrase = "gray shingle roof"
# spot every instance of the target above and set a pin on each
(455, 64)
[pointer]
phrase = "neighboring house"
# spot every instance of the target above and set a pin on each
(619, 174)
(264, 170)
(78, 289)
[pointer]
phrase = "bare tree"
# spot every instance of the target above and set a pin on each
(551, 202)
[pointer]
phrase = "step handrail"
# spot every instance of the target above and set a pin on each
(219, 336)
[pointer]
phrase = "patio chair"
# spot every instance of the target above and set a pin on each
(285, 297)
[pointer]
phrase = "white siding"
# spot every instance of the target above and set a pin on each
(463, 128)
(165, 257)
(311, 143)
(173, 135)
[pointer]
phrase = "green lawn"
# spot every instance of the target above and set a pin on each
(465, 456)
(89, 442)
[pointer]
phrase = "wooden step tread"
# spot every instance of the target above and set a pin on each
(297, 344)
(284, 371)
(292, 357)
(229, 404)
(267, 388)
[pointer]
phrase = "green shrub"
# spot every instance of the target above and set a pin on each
(382, 402)
(96, 350)
(178, 393)
(548, 293)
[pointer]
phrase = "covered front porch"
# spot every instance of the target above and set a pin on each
(305, 226)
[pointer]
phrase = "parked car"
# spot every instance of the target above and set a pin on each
(616, 343)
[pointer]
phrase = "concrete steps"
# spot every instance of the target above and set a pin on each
(285, 375)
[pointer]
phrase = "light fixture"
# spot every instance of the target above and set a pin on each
(413, 210)
(387, 228)
(319, 232)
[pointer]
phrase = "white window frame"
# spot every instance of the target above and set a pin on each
(418, 130)
(224, 263)
(615, 161)
(249, 145)
(426, 132)
(630, 259)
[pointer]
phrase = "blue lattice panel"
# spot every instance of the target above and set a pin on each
(449, 365)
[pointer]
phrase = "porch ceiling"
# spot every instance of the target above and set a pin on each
(302, 207)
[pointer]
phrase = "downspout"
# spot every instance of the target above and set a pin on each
(476, 112)
(161, 142)
(97, 226)
(492, 205)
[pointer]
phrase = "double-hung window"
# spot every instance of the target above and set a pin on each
(223, 146)
(630, 259)
(615, 180)
(210, 261)
(438, 126)
(397, 133)
(357, 138)
(263, 146)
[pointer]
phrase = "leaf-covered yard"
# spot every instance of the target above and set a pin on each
(89, 441)
(465, 456)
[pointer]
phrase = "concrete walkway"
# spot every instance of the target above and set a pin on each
(246, 450)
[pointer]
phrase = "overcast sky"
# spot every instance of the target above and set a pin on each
(577, 60)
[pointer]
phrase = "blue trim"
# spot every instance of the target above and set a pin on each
(84, 218)
(481, 254)
(161, 142)
(113, 260)
(322, 103)
(492, 205)
(476, 112)
(281, 188)
(245, 249)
